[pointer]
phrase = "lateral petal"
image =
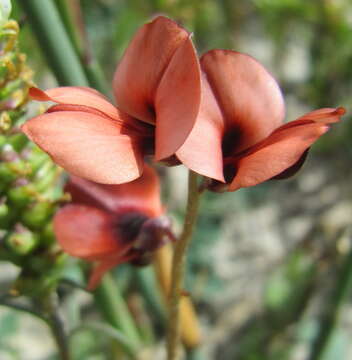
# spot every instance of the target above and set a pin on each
(177, 101)
(87, 145)
(249, 97)
(76, 95)
(143, 65)
(87, 232)
(142, 194)
(277, 153)
(202, 150)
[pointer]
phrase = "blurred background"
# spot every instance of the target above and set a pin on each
(270, 267)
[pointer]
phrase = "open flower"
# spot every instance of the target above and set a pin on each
(239, 138)
(113, 224)
(157, 90)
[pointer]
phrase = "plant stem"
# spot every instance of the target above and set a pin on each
(54, 41)
(189, 326)
(115, 310)
(332, 312)
(56, 325)
(178, 266)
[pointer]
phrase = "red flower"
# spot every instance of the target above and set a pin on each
(112, 224)
(239, 137)
(157, 91)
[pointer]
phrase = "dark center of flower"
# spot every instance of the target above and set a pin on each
(230, 141)
(129, 225)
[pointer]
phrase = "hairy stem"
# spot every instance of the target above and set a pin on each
(178, 266)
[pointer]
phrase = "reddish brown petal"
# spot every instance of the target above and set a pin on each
(249, 97)
(202, 151)
(87, 145)
(76, 95)
(104, 266)
(141, 195)
(143, 64)
(87, 232)
(278, 153)
(177, 101)
(325, 116)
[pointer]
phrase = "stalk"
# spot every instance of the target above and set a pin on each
(178, 266)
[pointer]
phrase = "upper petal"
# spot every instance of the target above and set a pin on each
(177, 101)
(278, 152)
(76, 95)
(87, 232)
(143, 64)
(142, 194)
(87, 145)
(249, 97)
(202, 150)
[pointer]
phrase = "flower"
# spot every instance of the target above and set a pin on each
(113, 224)
(157, 90)
(239, 138)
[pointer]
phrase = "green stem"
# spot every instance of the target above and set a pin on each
(57, 327)
(115, 310)
(332, 312)
(66, 17)
(72, 18)
(54, 41)
(178, 266)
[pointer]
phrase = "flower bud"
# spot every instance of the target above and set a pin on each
(22, 241)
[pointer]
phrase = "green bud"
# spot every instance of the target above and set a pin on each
(22, 241)
(5, 10)
(6, 174)
(4, 211)
(18, 141)
(36, 216)
(22, 195)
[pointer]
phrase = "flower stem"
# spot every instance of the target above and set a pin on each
(178, 266)
(56, 325)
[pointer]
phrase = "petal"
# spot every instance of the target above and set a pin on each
(277, 153)
(104, 266)
(142, 194)
(76, 95)
(249, 97)
(202, 151)
(177, 101)
(87, 232)
(324, 116)
(87, 145)
(143, 64)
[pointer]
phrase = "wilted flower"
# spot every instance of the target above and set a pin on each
(239, 138)
(113, 224)
(157, 91)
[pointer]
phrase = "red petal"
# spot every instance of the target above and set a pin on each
(103, 267)
(87, 145)
(77, 95)
(87, 232)
(143, 64)
(202, 151)
(277, 153)
(142, 194)
(177, 101)
(249, 97)
(324, 116)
